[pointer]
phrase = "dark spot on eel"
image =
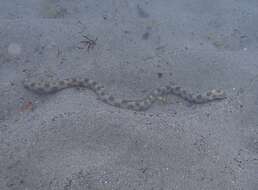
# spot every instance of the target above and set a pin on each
(199, 97)
(80, 83)
(61, 83)
(160, 75)
(111, 98)
(130, 106)
(94, 83)
(124, 101)
(178, 88)
(168, 87)
(137, 104)
(47, 85)
(209, 94)
(117, 104)
(54, 88)
(32, 84)
(40, 89)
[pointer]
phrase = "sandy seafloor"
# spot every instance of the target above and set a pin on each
(73, 141)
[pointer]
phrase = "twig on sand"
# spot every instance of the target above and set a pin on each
(89, 43)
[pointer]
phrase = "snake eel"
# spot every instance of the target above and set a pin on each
(52, 86)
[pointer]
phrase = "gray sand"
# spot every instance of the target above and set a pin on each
(73, 141)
